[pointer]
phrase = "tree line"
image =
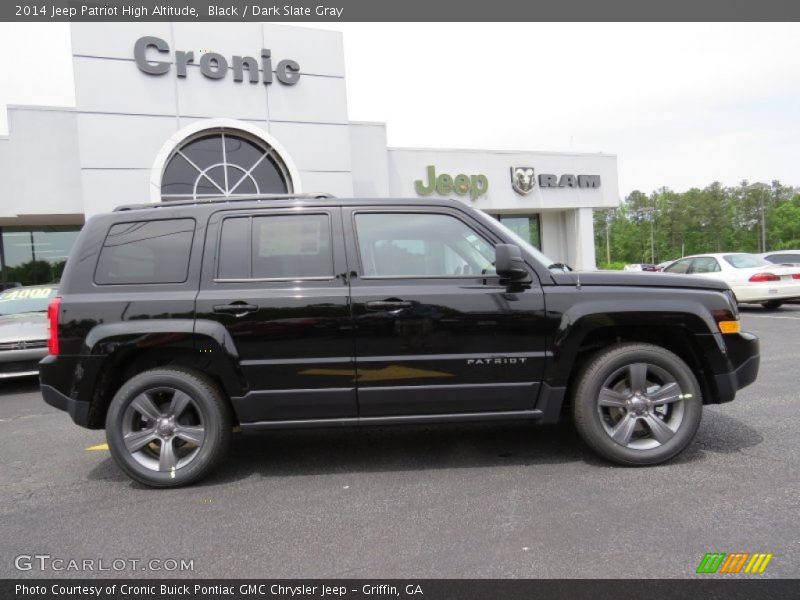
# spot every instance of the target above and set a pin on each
(665, 225)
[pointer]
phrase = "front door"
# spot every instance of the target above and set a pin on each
(436, 332)
(274, 279)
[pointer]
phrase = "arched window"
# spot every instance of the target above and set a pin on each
(223, 163)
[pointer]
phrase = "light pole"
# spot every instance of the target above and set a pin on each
(651, 211)
(759, 187)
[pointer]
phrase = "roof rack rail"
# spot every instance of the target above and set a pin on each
(223, 199)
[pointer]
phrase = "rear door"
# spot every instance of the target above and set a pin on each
(274, 278)
(436, 332)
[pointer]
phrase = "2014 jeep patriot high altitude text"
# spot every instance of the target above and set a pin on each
(176, 322)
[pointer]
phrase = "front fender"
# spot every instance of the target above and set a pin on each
(687, 317)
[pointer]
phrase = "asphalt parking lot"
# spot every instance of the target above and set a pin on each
(497, 500)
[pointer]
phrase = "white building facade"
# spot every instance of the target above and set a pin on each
(169, 111)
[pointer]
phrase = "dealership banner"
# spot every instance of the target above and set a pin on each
(421, 589)
(407, 10)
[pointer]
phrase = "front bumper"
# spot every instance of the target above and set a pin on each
(743, 354)
(21, 363)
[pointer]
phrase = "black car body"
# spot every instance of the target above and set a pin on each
(302, 312)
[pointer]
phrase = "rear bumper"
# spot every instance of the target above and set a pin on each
(64, 381)
(743, 353)
(79, 411)
(764, 292)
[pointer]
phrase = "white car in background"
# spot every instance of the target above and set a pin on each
(752, 279)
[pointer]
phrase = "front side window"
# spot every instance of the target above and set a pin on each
(420, 245)
(146, 252)
(276, 247)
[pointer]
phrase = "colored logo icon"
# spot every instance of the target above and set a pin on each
(736, 562)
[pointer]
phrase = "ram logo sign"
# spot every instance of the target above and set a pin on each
(735, 562)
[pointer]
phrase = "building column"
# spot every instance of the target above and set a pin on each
(580, 239)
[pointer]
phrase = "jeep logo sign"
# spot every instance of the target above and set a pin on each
(444, 184)
(148, 49)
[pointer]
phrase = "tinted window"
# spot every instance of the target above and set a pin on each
(745, 261)
(146, 252)
(276, 247)
(783, 258)
(26, 299)
(234, 249)
(680, 266)
(420, 245)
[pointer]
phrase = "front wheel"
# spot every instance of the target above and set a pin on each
(168, 427)
(637, 404)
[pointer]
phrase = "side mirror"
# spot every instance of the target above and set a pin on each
(508, 262)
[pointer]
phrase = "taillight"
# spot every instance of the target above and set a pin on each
(52, 317)
(796, 276)
(759, 277)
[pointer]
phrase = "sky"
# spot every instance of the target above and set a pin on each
(681, 105)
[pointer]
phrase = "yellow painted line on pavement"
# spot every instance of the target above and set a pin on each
(102, 446)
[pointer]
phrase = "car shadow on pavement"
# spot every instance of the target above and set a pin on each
(720, 434)
(19, 385)
(285, 453)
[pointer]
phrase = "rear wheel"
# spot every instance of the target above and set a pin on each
(168, 427)
(772, 304)
(637, 404)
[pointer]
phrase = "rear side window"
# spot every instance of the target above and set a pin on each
(276, 247)
(146, 252)
(705, 264)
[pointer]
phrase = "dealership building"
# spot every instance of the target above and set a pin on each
(170, 111)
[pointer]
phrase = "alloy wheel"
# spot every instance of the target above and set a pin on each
(163, 429)
(641, 406)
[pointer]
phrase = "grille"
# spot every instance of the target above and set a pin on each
(23, 345)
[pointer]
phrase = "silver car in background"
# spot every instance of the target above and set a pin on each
(23, 329)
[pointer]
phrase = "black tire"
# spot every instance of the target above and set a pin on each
(207, 412)
(772, 304)
(595, 422)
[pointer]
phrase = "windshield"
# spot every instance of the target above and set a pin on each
(26, 299)
(537, 254)
(745, 261)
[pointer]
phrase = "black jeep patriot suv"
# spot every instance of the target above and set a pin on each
(180, 321)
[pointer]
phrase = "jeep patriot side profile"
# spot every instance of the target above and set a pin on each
(179, 321)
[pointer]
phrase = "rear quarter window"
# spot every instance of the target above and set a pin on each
(146, 252)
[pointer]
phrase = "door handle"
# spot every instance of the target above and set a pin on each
(387, 304)
(237, 309)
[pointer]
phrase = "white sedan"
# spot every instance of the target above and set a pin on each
(751, 278)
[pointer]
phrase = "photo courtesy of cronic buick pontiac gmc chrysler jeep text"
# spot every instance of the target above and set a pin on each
(177, 322)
